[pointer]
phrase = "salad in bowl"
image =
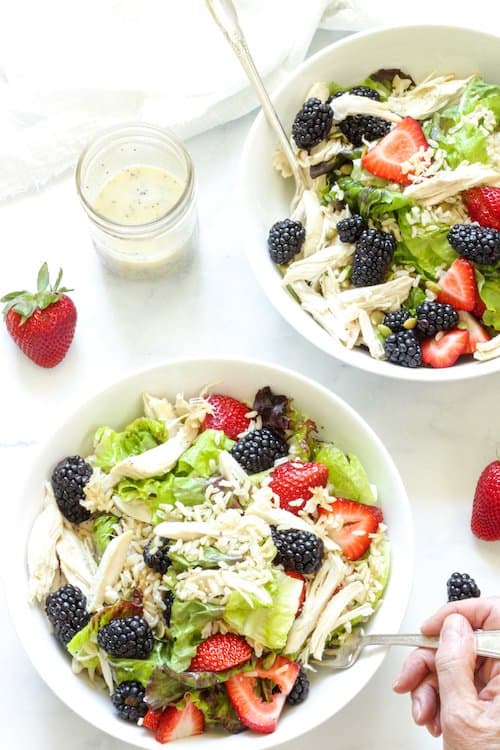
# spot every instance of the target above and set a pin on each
(197, 561)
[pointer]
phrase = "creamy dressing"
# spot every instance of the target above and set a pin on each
(138, 195)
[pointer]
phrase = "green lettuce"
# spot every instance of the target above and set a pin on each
(211, 559)
(137, 437)
(104, 530)
(373, 202)
(166, 490)
(139, 669)
(267, 624)
(414, 299)
(346, 473)
(428, 250)
(488, 279)
(187, 620)
(217, 709)
(199, 458)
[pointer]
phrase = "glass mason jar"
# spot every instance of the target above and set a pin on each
(139, 250)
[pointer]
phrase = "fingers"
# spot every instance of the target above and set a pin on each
(419, 664)
(455, 663)
(481, 613)
(425, 701)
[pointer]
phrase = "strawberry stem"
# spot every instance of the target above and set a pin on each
(26, 303)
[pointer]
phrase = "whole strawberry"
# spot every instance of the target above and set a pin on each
(485, 521)
(43, 323)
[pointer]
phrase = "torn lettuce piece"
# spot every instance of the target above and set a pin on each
(139, 669)
(201, 459)
(110, 447)
(268, 625)
(165, 490)
(187, 620)
(104, 530)
(346, 473)
(424, 247)
(372, 202)
(279, 413)
(211, 559)
(488, 281)
(217, 709)
(414, 299)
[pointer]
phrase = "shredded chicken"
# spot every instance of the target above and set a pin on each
(154, 462)
(76, 560)
(428, 97)
(488, 349)
(109, 569)
(336, 255)
(42, 543)
(350, 104)
(448, 182)
(328, 620)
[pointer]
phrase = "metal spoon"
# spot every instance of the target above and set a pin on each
(226, 17)
(343, 657)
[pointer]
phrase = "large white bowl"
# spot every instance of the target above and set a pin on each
(119, 404)
(265, 196)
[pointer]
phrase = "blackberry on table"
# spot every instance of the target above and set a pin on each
(285, 240)
(312, 123)
(435, 316)
(155, 554)
(300, 690)
(128, 699)
(168, 601)
(126, 638)
(66, 610)
(68, 482)
(402, 348)
(258, 450)
(479, 244)
(298, 550)
(461, 586)
(358, 128)
(350, 229)
(396, 320)
(372, 257)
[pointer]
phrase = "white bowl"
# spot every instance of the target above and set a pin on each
(265, 196)
(119, 404)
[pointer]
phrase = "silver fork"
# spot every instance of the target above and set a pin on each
(343, 657)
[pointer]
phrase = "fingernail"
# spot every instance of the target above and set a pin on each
(395, 684)
(416, 709)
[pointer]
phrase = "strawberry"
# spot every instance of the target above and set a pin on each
(386, 158)
(483, 205)
(477, 332)
(220, 652)
(353, 523)
(151, 720)
(227, 415)
(485, 521)
(253, 711)
(445, 348)
(292, 482)
(458, 286)
(42, 324)
(176, 723)
(302, 598)
(479, 307)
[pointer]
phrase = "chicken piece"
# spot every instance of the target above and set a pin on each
(110, 567)
(336, 255)
(329, 617)
(42, 557)
(449, 182)
(76, 560)
(351, 104)
(427, 97)
(154, 462)
(488, 349)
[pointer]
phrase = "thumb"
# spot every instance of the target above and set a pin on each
(455, 663)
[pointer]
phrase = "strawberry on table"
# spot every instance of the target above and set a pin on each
(253, 711)
(483, 205)
(293, 480)
(387, 157)
(477, 333)
(458, 286)
(485, 521)
(352, 525)
(228, 415)
(42, 323)
(174, 723)
(220, 652)
(445, 348)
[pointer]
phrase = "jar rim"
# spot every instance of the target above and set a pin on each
(149, 227)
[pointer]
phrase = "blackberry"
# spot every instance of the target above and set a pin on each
(372, 257)
(357, 128)
(128, 699)
(349, 229)
(298, 550)
(312, 123)
(68, 481)
(156, 554)
(126, 638)
(300, 690)
(66, 610)
(168, 600)
(357, 91)
(435, 316)
(461, 586)
(394, 320)
(258, 450)
(402, 348)
(285, 240)
(480, 244)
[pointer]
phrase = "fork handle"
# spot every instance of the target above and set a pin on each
(487, 641)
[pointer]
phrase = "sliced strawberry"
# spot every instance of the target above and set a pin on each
(477, 332)
(220, 652)
(458, 286)
(386, 158)
(292, 482)
(302, 598)
(483, 205)
(445, 348)
(228, 415)
(177, 723)
(151, 720)
(253, 711)
(352, 524)
(479, 308)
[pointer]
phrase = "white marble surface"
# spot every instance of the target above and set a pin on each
(440, 437)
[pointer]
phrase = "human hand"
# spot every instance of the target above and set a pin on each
(453, 692)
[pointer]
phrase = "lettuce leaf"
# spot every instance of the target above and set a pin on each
(346, 473)
(488, 280)
(187, 620)
(137, 437)
(104, 530)
(166, 490)
(211, 559)
(428, 250)
(217, 709)
(199, 458)
(373, 202)
(268, 625)
(139, 669)
(280, 414)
